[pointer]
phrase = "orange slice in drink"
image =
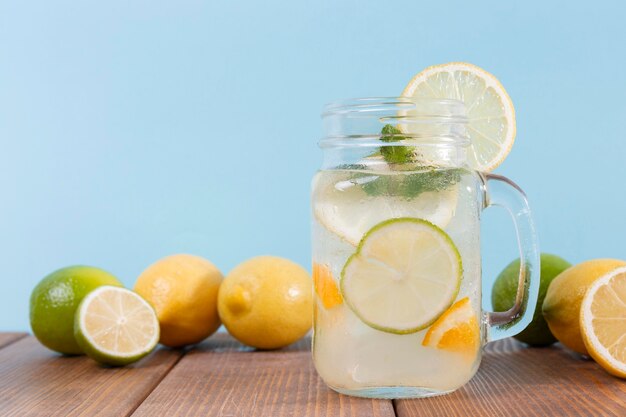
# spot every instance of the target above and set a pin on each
(326, 287)
(456, 330)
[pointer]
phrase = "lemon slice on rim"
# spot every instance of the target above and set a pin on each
(490, 111)
(405, 273)
(603, 321)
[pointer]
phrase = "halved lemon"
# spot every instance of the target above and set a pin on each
(603, 321)
(405, 273)
(344, 208)
(456, 330)
(115, 326)
(325, 286)
(490, 111)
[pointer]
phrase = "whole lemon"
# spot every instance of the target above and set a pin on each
(561, 307)
(54, 301)
(183, 291)
(267, 302)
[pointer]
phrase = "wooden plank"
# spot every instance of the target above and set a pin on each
(514, 380)
(8, 338)
(35, 381)
(223, 342)
(222, 378)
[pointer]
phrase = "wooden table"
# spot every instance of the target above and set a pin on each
(220, 377)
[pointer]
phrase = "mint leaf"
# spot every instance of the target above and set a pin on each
(395, 154)
(414, 184)
(405, 184)
(434, 180)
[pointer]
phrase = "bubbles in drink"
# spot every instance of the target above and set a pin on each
(357, 344)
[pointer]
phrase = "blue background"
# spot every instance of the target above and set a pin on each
(134, 130)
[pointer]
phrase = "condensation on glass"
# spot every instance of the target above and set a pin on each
(389, 158)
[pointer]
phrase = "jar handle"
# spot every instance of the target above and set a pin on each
(500, 191)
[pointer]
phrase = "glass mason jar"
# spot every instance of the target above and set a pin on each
(396, 250)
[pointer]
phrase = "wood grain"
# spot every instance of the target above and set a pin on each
(8, 338)
(222, 378)
(223, 342)
(514, 380)
(37, 382)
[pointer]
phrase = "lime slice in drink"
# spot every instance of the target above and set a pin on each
(343, 207)
(405, 273)
(115, 326)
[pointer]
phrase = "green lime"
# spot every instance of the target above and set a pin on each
(405, 273)
(54, 301)
(505, 289)
(115, 326)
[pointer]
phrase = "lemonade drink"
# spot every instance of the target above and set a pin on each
(396, 238)
(354, 356)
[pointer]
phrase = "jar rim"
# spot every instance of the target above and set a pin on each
(361, 122)
(404, 109)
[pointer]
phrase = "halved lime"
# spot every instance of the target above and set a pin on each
(405, 273)
(115, 326)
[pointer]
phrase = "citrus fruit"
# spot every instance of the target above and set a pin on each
(343, 207)
(267, 302)
(115, 326)
(490, 111)
(183, 291)
(54, 301)
(504, 292)
(325, 286)
(456, 330)
(404, 274)
(603, 321)
(561, 307)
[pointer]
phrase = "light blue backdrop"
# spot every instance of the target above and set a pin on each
(133, 130)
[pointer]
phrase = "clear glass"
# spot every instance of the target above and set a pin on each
(367, 179)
